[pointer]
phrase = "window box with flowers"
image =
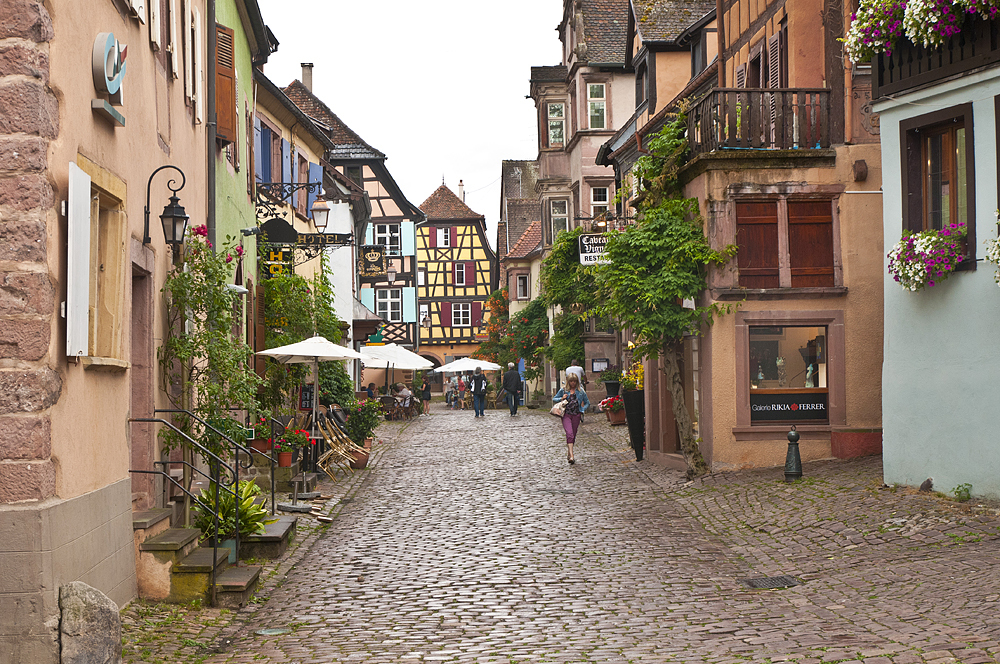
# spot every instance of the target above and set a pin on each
(928, 257)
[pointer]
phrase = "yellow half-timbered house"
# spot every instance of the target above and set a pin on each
(456, 272)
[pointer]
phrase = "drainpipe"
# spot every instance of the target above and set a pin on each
(212, 127)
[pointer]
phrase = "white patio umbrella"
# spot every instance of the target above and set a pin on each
(392, 356)
(311, 351)
(467, 364)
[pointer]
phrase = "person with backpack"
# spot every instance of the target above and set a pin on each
(478, 383)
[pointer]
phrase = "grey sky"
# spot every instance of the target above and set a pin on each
(437, 86)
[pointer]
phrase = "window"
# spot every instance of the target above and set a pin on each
(422, 276)
(641, 83)
(443, 237)
(807, 228)
(461, 314)
(556, 118)
(939, 185)
(354, 174)
(389, 304)
(598, 202)
(522, 287)
(560, 217)
(596, 105)
(425, 313)
(388, 235)
(460, 274)
(788, 373)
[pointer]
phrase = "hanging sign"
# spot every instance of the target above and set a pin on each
(324, 239)
(372, 261)
(108, 69)
(278, 259)
(788, 406)
(592, 248)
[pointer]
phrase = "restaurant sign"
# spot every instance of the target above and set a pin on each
(372, 261)
(787, 406)
(592, 248)
(108, 69)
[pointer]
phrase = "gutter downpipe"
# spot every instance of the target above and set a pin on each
(212, 126)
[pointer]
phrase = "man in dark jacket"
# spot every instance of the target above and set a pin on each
(512, 386)
(477, 383)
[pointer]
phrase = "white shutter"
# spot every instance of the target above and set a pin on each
(408, 238)
(78, 263)
(199, 68)
(139, 9)
(370, 234)
(175, 41)
(409, 304)
(188, 50)
(367, 298)
(154, 24)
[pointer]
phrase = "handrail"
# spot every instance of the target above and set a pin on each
(187, 437)
(239, 447)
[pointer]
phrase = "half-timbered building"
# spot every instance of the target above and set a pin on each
(393, 296)
(456, 272)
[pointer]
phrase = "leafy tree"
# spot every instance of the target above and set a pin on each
(528, 331)
(563, 281)
(566, 343)
(654, 266)
(498, 347)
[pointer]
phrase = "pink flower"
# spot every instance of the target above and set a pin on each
(229, 258)
(239, 250)
(201, 231)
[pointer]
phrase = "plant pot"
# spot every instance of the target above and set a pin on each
(616, 418)
(284, 459)
(231, 545)
(360, 460)
(368, 443)
(635, 416)
(612, 386)
(259, 445)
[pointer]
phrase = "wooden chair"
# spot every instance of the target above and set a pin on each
(340, 448)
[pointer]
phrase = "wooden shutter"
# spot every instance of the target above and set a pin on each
(264, 153)
(470, 273)
(432, 237)
(810, 243)
(477, 314)
(453, 231)
(260, 331)
(757, 240)
(741, 76)
(315, 175)
(225, 84)
(446, 314)
(774, 61)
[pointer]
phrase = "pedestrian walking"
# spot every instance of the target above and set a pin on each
(425, 395)
(451, 392)
(576, 403)
(512, 386)
(575, 368)
(478, 383)
(461, 393)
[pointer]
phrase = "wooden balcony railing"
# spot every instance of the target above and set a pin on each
(760, 119)
(911, 66)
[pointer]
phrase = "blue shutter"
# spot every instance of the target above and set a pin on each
(409, 304)
(286, 161)
(294, 173)
(408, 238)
(258, 157)
(369, 234)
(265, 153)
(315, 175)
(367, 297)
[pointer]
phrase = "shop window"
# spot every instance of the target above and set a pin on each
(788, 373)
(939, 185)
(805, 227)
(389, 304)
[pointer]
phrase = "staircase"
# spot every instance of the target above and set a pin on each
(171, 567)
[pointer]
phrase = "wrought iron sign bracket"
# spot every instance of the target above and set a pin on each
(271, 196)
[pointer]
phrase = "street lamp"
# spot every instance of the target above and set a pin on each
(321, 213)
(390, 274)
(426, 322)
(174, 219)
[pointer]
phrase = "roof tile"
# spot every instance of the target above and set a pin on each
(348, 144)
(605, 27)
(530, 241)
(444, 204)
(665, 20)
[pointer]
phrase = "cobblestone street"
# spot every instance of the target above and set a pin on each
(473, 540)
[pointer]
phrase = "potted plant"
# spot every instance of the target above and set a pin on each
(635, 407)
(611, 377)
(249, 521)
(614, 409)
(362, 418)
(284, 450)
(298, 439)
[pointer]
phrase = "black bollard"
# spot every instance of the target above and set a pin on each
(793, 462)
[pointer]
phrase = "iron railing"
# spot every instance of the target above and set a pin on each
(760, 119)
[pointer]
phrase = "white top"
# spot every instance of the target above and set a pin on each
(573, 369)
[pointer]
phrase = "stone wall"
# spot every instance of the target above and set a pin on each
(29, 119)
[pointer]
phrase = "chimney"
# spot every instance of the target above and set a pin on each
(461, 191)
(307, 75)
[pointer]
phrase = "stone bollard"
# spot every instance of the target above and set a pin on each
(90, 627)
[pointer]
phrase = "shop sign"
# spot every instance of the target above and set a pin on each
(372, 261)
(278, 259)
(324, 239)
(592, 247)
(108, 68)
(787, 406)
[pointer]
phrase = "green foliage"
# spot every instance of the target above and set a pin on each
(656, 173)
(498, 347)
(204, 366)
(335, 384)
(252, 517)
(564, 282)
(654, 266)
(566, 343)
(362, 418)
(528, 331)
(963, 492)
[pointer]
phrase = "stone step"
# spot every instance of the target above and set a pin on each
(273, 542)
(146, 519)
(199, 561)
(172, 539)
(235, 586)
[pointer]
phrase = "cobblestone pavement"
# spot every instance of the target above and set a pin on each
(473, 540)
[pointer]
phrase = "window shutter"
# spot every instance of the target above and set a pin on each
(470, 273)
(199, 67)
(432, 237)
(225, 84)
(741, 76)
(185, 42)
(446, 314)
(409, 304)
(78, 263)
(258, 163)
(294, 173)
(265, 153)
(260, 332)
(286, 161)
(155, 36)
(315, 175)
(407, 238)
(774, 61)
(477, 314)
(810, 243)
(175, 43)
(369, 234)
(757, 240)
(367, 297)
(454, 274)
(453, 234)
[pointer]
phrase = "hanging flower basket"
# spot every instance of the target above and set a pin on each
(928, 257)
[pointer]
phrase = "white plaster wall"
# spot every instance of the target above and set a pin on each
(941, 363)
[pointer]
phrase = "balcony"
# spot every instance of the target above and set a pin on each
(911, 66)
(760, 119)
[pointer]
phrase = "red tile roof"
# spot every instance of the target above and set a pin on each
(444, 204)
(349, 144)
(528, 243)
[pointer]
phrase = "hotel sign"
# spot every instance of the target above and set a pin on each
(372, 261)
(592, 248)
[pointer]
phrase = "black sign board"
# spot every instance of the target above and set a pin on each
(787, 406)
(372, 261)
(306, 397)
(592, 248)
(324, 239)
(277, 259)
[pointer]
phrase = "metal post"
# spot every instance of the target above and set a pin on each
(793, 462)
(215, 540)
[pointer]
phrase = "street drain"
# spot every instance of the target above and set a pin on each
(769, 582)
